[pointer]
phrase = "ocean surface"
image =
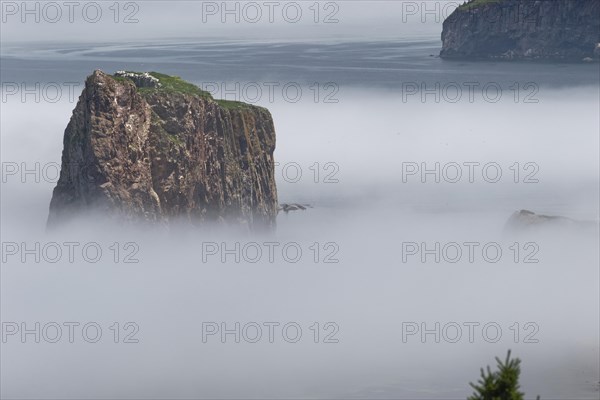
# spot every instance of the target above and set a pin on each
(353, 120)
(365, 64)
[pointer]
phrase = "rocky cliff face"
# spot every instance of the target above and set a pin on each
(165, 150)
(523, 29)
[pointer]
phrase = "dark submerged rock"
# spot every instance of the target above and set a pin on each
(525, 220)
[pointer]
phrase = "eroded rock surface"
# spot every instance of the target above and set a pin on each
(163, 152)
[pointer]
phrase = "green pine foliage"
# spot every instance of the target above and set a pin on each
(502, 384)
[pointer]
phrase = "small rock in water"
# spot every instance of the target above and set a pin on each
(527, 220)
(287, 207)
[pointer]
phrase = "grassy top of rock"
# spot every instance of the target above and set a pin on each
(148, 82)
(151, 81)
(476, 3)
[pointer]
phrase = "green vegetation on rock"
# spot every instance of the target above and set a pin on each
(120, 78)
(167, 83)
(173, 84)
(176, 84)
(232, 105)
(158, 127)
(476, 3)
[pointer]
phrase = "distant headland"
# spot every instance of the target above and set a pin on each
(543, 30)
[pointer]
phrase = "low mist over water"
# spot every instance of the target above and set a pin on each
(401, 280)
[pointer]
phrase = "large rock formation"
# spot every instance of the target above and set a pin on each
(523, 29)
(165, 150)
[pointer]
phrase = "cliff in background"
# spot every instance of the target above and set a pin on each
(151, 147)
(523, 29)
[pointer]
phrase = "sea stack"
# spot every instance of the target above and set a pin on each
(151, 147)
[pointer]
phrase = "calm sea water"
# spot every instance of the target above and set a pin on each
(381, 64)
